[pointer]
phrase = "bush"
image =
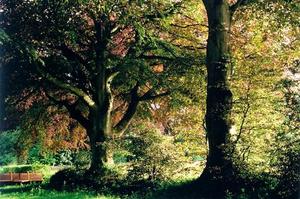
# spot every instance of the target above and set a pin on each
(22, 168)
(8, 142)
(81, 159)
(152, 158)
(16, 169)
(37, 155)
(77, 158)
(64, 157)
(288, 171)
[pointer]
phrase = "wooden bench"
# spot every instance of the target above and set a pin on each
(6, 177)
(21, 177)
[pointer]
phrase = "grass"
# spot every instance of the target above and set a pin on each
(40, 191)
(36, 192)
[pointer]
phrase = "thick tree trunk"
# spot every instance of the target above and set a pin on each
(98, 137)
(219, 96)
(100, 131)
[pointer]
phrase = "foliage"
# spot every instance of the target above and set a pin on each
(153, 157)
(35, 155)
(17, 168)
(286, 151)
(48, 136)
(78, 158)
(262, 45)
(81, 159)
(288, 167)
(8, 143)
(36, 152)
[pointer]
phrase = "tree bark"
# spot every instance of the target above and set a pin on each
(219, 96)
(100, 128)
(97, 137)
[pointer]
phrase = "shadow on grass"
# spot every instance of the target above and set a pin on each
(187, 190)
(8, 188)
(34, 191)
(175, 190)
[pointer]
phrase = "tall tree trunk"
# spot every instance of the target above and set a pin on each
(219, 96)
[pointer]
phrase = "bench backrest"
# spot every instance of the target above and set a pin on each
(14, 177)
(6, 177)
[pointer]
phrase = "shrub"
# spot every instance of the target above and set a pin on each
(22, 168)
(64, 157)
(38, 155)
(152, 158)
(288, 171)
(81, 159)
(8, 142)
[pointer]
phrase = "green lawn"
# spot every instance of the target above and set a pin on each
(39, 191)
(29, 192)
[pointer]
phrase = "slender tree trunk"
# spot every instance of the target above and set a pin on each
(219, 96)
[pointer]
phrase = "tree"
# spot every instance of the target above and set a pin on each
(219, 96)
(83, 54)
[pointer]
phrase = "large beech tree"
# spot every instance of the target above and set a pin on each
(220, 14)
(219, 96)
(84, 53)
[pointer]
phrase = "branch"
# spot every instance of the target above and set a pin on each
(70, 54)
(149, 95)
(123, 124)
(155, 57)
(74, 113)
(235, 6)
(25, 97)
(167, 12)
(130, 112)
(64, 85)
(245, 114)
(192, 47)
(189, 25)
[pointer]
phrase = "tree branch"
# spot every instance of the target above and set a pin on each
(71, 108)
(155, 57)
(167, 12)
(70, 54)
(25, 97)
(235, 6)
(189, 25)
(123, 124)
(149, 95)
(245, 115)
(64, 85)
